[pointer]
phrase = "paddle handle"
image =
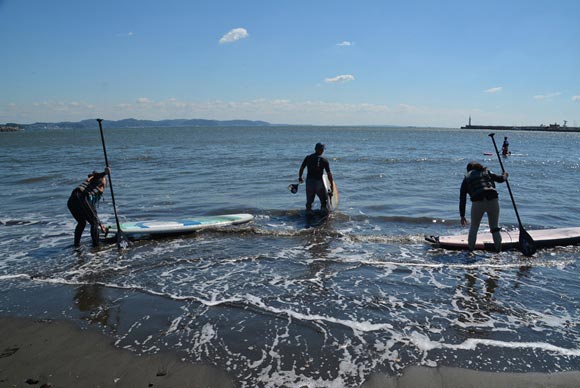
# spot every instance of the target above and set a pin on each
(506, 181)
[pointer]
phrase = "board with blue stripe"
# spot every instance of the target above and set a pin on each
(183, 225)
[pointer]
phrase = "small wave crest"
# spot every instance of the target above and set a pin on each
(16, 222)
(38, 179)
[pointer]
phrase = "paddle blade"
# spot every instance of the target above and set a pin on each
(293, 188)
(122, 240)
(527, 244)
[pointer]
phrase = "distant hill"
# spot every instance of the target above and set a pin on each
(134, 123)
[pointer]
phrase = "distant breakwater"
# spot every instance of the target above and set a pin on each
(541, 128)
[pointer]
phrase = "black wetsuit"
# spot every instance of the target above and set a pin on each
(505, 147)
(316, 165)
(82, 205)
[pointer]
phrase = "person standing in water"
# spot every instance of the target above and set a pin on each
(479, 184)
(505, 147)
(316, 165)
(82, 204)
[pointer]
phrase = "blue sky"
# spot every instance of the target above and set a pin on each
(424, 63)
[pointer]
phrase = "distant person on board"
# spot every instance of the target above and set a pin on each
(82, 204)
(479, 183)
(505, 147)
(316, 165)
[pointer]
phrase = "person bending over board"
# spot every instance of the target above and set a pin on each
(82, 204)
(316, 165)
(479, 183)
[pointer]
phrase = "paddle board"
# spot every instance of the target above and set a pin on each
(332, 201)
(182, 225)
(510, 154)
(543, 238)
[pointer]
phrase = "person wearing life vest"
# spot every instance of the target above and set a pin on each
(479, 184)
(316, 166)
(82, 204)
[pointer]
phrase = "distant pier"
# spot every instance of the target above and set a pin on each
(543, 128)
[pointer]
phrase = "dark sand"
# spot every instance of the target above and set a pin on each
(444, 377)
(58, 354)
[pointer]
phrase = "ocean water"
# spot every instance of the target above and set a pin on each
(275, 302)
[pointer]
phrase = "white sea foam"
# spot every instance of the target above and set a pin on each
(423, 342)
(15, 276)
(174, 325)
(207, 334)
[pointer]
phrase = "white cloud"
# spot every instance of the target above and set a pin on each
(143, 100)
(494, 90)
(339, 79)
(233, 35)
(345, 43)
(547, 96)
(176, 103)
(575, 98)
(64, 111)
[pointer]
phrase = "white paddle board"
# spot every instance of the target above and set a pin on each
(332, 200)
(182, 225)
(543, 238)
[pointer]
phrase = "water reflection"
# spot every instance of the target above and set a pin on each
(476, 302)
(90, 299)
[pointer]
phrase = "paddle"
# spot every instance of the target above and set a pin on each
(122, 240)
(293, 188)
(527, 244)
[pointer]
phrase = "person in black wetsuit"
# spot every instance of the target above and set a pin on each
(479, 184)
(82, 204)
(505, 147)
(316, 165)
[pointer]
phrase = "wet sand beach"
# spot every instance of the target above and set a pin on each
(58, 354)
(445, 377)
(55, 354)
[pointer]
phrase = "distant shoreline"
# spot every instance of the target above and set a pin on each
(192, 123)
(134, 123)
(7, 128)
(187, 123)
